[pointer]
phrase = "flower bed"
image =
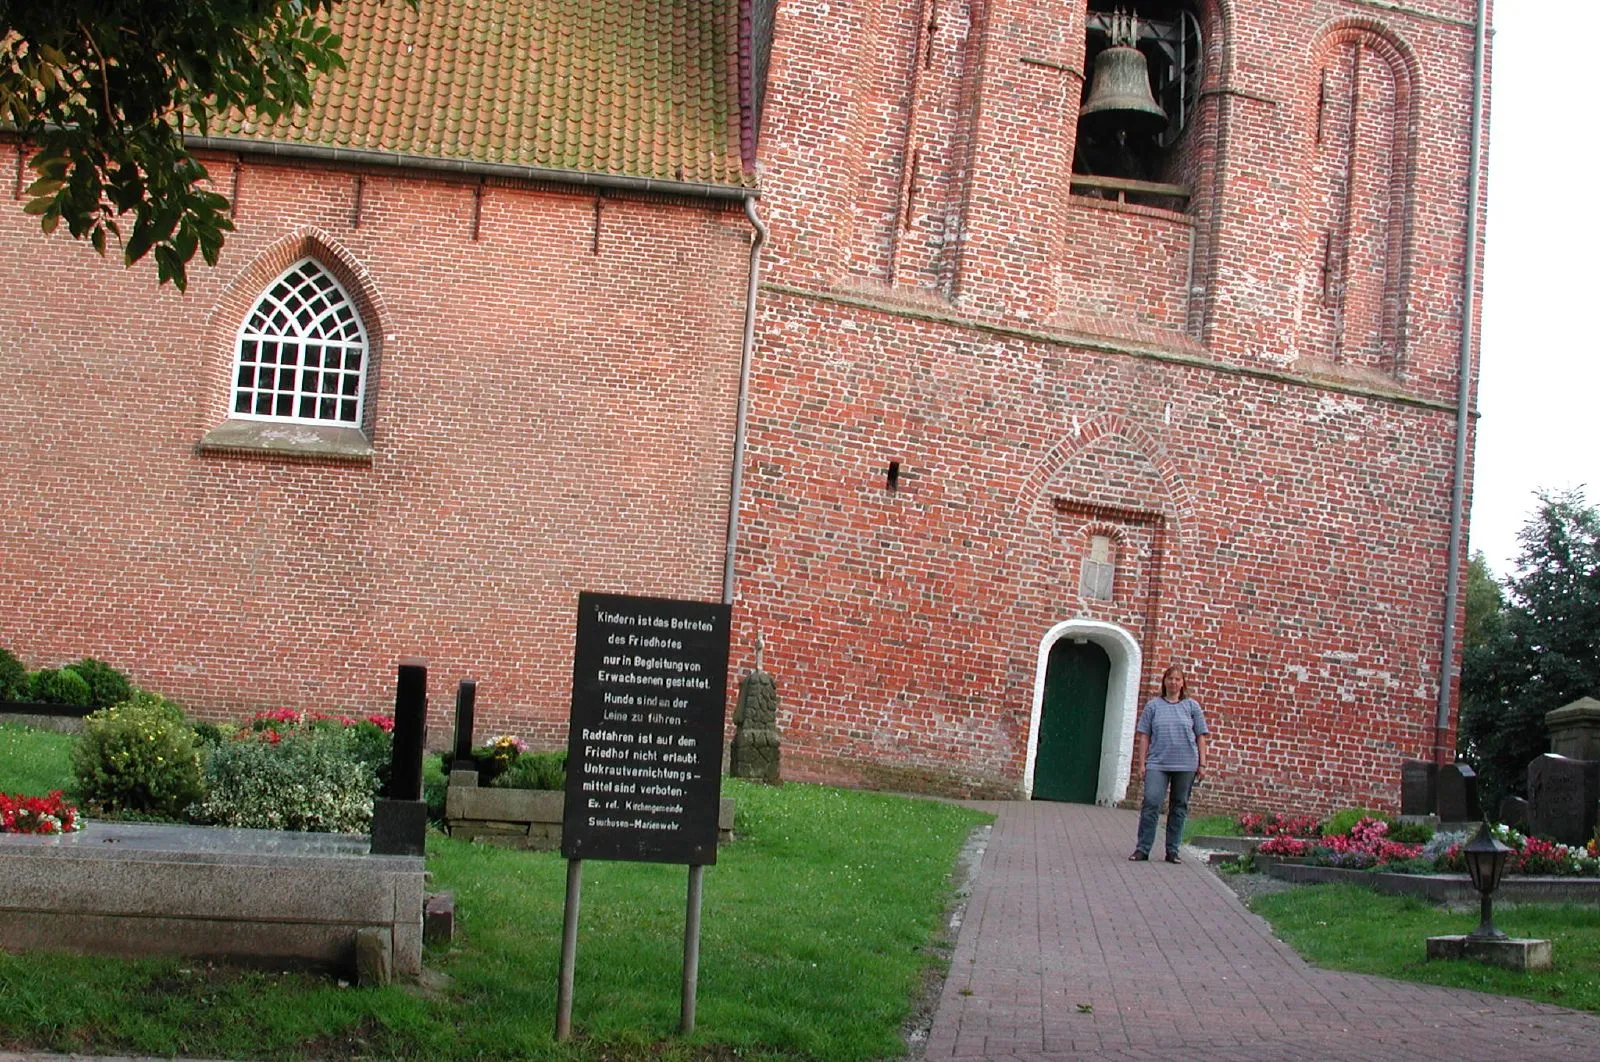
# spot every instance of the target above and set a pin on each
(1368, 846)
(47, 814)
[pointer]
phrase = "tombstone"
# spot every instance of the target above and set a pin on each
(410, 730)
(1575, 730)
(1419, 787)
(1458, 794)
(755, 750)
(466, 708)
(1516, 813)
(1563, 793)
(399, 817)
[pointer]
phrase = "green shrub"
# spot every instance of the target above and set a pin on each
(1411, 832)
(64, 686)
(137, 756)
(13, 677)
(107, 685)
(435, 785)
(1342, 821)
(306, 780)
(372, 745)
(535, 770)
(207, 734)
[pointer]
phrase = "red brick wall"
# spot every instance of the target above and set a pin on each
(546, 419)
(1130, 358)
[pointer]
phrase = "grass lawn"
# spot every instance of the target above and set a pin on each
(33, 762)
(1211, 826)
(816, 926)
(1345, 927)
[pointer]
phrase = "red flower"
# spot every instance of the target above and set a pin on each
(46, 815)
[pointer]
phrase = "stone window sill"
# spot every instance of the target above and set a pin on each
(264, 438)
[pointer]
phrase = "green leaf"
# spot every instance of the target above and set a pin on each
(169, 267)
(139, 240)
(46, 186)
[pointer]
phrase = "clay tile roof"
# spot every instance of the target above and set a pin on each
(640, 88)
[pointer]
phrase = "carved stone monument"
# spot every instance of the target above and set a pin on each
(1575, 730)
(755, 750)
(1564, 794)
(1458, 794)
(1419, 787)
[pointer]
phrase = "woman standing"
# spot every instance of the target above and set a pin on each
(1172, 731)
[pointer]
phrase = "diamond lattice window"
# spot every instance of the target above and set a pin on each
(302, 352)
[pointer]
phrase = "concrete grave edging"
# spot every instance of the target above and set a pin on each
(138, 889)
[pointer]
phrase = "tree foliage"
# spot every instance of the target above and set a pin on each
(104, 91)
(1540, 652)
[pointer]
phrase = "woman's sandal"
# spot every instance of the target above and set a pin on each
(1173, 859)
(1139, 857)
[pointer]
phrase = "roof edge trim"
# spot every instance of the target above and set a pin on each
(464, 167)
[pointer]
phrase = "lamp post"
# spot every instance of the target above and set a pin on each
(1486, 861)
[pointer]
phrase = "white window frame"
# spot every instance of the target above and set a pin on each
(313, 316)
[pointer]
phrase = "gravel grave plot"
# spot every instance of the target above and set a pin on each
(1248, 886)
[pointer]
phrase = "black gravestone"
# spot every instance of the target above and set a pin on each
(410, 730)
(1515, 812)
(399, 817)
(1458, 794)
(1563, 793)
(466, 709)
(1419, 787)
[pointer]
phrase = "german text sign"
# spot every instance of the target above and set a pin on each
(644, 746)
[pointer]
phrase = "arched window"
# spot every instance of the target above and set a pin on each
(302, 352)
(1098, 577)
(1145, 61)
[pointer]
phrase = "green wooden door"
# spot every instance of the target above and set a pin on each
(1067, 766)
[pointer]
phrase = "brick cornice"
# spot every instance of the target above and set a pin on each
(1112, 346)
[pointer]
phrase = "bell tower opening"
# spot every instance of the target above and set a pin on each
(1144, 62)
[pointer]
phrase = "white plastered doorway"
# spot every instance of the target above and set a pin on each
(1122, 710)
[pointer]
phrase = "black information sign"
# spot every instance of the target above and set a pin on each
(644, 748)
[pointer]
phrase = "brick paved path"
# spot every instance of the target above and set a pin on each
(1171, 965)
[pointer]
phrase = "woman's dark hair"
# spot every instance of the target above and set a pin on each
(1183, 689)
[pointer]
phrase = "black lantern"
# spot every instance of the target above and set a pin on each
(1486, 861)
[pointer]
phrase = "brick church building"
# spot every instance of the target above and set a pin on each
(1085, 337)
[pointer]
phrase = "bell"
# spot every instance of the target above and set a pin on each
(1120, 93)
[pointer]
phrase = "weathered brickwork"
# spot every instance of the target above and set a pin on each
(545, 419)
(1278, 468)
(1250, 394)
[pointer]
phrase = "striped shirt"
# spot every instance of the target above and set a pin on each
(1171, 728)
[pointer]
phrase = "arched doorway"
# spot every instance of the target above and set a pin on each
(1120, 689)
(1072, 722)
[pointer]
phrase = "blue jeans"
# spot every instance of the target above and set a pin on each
(1156, 783)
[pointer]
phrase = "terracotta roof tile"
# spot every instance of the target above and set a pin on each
(644, 88)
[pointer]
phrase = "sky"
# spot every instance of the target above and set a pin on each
(1539, 388)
